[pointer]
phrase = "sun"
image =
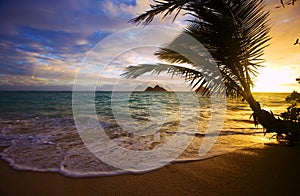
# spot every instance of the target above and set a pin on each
(274, 80)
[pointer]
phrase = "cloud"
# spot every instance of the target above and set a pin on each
(44, 42)
(55, 34)
(284, 32)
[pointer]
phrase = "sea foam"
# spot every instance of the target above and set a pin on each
(47, 140)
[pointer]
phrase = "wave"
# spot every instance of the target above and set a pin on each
(59, 148)
(46, 139)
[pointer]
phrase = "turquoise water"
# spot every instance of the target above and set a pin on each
(40, 131)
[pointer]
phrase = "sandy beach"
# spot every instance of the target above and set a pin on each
(273, 170)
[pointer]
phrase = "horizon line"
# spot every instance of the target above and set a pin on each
(13, 90)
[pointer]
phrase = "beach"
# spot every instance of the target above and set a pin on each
(41, 131)
(192, 103)
(273, 170)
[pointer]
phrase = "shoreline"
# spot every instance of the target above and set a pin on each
(272, 170)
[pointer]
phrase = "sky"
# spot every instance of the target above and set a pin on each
(43, 44)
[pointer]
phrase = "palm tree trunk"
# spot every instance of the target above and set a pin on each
(265, 118)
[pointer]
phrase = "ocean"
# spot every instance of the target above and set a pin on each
(140, 131)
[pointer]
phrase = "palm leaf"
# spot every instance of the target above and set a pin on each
(199, 81)
(165, 7)
(235, 33)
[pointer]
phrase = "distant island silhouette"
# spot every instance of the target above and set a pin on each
(157, 88)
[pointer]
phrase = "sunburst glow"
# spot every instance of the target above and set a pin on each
(275, 80)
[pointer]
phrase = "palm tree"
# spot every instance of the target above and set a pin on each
(235, 32)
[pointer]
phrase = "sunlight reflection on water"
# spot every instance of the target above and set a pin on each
(41, 124)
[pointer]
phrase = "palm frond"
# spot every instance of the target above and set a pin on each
(165, 7)
(199, 80)
(234, 32)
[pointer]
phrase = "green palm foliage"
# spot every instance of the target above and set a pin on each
(235, 33)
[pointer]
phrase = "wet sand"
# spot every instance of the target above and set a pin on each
(272, 170)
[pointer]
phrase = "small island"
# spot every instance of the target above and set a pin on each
(157, 88)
